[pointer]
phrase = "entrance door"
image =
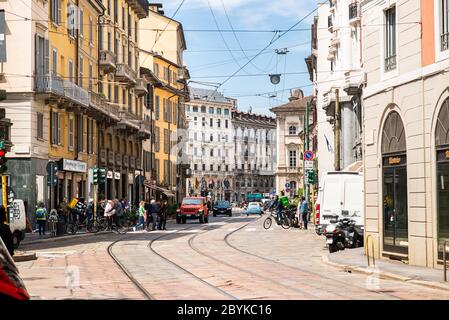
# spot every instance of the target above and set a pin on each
(395, 209)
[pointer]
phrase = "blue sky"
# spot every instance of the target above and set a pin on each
(207, 56)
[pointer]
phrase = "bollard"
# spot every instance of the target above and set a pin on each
(367, 242)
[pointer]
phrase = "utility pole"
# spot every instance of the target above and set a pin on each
(337, 130)
(303, 161)
(306, 137)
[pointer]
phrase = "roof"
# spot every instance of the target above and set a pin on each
(208, 95)
(253, 118)
(293, 105)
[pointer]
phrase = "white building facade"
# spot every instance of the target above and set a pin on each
(335, 67)
(210, 146)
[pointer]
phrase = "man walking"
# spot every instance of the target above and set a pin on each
(41, 217)
(304, 209)
(163, 215)
(154, 210)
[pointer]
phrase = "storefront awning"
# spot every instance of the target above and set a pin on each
(168, 193)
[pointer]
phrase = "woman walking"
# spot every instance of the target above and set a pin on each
(109, 212)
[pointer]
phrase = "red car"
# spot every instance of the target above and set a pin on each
(193, 208)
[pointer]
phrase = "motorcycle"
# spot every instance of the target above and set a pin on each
(343, 234)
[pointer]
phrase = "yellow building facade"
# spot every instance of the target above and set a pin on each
(162, 59)
(70, 73)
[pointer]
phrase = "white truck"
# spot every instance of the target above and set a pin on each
(340, 195)
(17, 221)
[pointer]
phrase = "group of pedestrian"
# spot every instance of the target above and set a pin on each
(152, 215)
(281, 202)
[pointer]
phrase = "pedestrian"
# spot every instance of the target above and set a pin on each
(304, 209)
(154, 212)
(149, 216)
(141, 222)
(90, 213)
(163, 215)
(41, 217)
(119, 212)
(5, 232)
(64, 211)
(109, 212)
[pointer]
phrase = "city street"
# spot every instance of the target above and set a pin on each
(229, 258)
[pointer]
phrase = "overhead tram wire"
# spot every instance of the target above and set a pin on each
(222, 37)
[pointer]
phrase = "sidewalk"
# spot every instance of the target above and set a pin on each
(354, 260)
(33, 238)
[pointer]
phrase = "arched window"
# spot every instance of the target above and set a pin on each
(394, 181)
(292, 130)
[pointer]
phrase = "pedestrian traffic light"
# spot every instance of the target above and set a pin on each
(52, 171)
(95, 173)
(3, 159)
(101, 175)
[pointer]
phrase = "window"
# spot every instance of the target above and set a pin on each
(165, 109)
(91, 82)
(444, 25)
(70, 70)
(203, 109)
(157, 140)
(166, 141)
(55, 11)
(91, 31)
(226, 112)
(81, 72)
(195, 109)
(203, 137)
(40, 126)
(71, 133)
(54, 63)
(203, 167)
(195, 136)
(81, 13)
(71, 20)
(123, 54)
(211, 122)
(218, 110)
(292, 130)
(211, 152)
(123, 18)
(204, 122)
(390, 39)
(157, 107)
(156, 69)
(211, 167)
(292, 158)
(55, 128)
(226, 124)
(211, 138)
(219, 123)
(135, 31)
(211, 110)
(195, 152)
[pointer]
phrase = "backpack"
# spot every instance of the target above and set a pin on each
(40, 213)
(284, 201)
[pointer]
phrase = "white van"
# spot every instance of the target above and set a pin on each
(17, 221)
(340, 195)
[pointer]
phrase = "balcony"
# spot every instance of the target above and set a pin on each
(126, 74)
(141, 87)
(101, 105)
(128, 119)
(145, 129)
(107, 61)
(335, 40)
(62, 89)
(353, 80)
(354, 14)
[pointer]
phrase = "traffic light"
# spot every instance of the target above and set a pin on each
(311, 176)
(101, 175)
(3, 159)
(52, 170)
(95, 175)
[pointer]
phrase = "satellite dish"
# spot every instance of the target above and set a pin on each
(275, 78)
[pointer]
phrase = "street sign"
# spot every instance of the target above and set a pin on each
(309, 155)
(308, 165)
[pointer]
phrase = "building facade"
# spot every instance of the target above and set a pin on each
(335, 67)
(162, 57)
(122, 89)
(290, 122)
(255, 154)
(210, 146)
(406, 119)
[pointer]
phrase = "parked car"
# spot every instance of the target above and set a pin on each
(340, 195)
(193, 208)
(253, 208)
(222, 207)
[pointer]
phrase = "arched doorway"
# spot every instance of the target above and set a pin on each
(442, 149)
(394, 180)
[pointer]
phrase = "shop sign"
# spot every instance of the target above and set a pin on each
(110, 175)
(75, 166)
(117, 175)
(394, 160)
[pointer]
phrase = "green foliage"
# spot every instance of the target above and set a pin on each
(131, 215)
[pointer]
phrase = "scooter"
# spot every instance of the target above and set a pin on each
(343, 234)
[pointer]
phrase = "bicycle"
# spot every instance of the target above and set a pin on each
(53, 222)
(285, 220)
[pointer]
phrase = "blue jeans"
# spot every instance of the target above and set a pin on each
(141, 222)
(279, 214)
(41, 226)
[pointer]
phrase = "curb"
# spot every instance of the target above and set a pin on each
(385, 275)
(61, 238)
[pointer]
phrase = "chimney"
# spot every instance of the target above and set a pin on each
(296, 95)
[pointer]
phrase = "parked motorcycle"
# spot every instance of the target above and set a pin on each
(343, 234)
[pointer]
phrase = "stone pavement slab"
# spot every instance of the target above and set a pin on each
(355, 260)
